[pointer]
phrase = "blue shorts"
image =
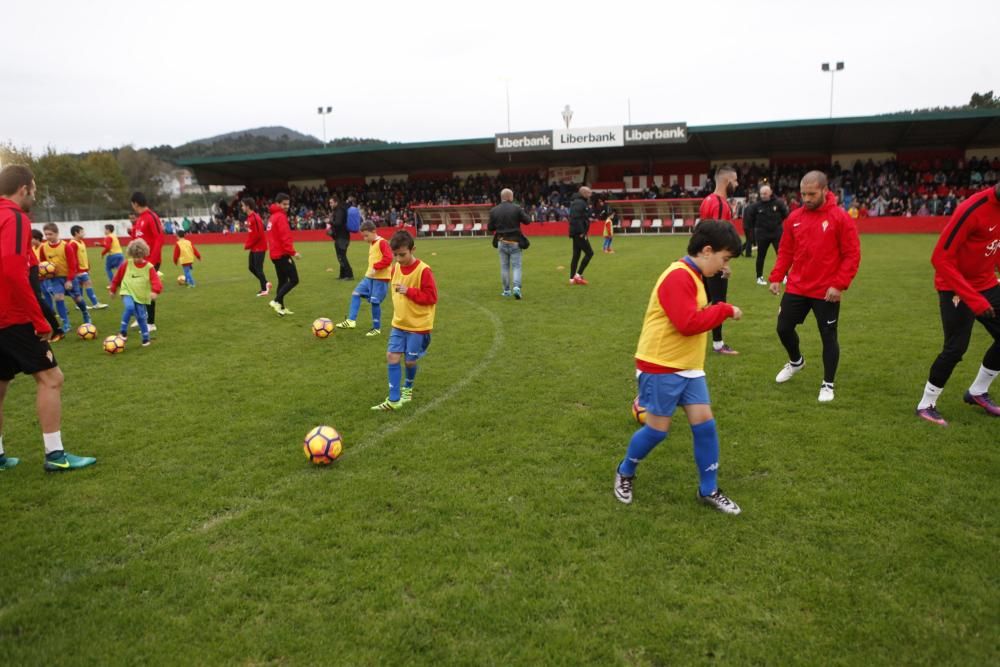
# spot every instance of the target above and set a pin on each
(413, 344)
(54, 285)
(661, 393)
(78, 282)
(373, 290)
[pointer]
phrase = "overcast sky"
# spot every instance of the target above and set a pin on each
(85, 75)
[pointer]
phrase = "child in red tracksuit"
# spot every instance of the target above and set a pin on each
(283, 254)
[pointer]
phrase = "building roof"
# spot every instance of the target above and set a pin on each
(890, 133)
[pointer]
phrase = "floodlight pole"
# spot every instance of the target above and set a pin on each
(324, 112)
(839, 66)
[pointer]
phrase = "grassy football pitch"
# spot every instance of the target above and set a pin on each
(478, 525)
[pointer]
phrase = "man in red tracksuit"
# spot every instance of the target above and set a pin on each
(148, 228)
(820, 252)
(716, 207)
(283, 255)
(24, 331)
(965, 261)
(256, 243)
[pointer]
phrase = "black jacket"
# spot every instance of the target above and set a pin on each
(765, 217)
(506, 219)
(579, 215)
(338, 221)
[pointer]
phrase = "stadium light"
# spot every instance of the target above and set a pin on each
(837, 67)
(324, 112)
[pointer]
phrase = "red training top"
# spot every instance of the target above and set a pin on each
(149, 228)
(279, 234)
(18, 304)
(968, 251)
(714, 207)
(256, 238)
(821, 248)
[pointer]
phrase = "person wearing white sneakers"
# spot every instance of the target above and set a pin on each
(819, 255)
(283, 253)
(256, 243)
(765, 217)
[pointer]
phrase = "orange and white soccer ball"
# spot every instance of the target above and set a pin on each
(323, 445)
(114, 344)
(638, 412)
(181, 280)
(46, 270)
(322, 327)
(86, 331)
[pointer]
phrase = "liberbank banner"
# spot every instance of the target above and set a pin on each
(592, 137)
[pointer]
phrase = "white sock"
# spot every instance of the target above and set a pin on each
(53, 442)
(931, 394)
(1, 444)
(717, 344)
(801, 361)
(983, 380)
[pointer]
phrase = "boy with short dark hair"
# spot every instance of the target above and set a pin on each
(81, 282)
(670, 359)
(414, 299)
(375, 285)
(112, 252)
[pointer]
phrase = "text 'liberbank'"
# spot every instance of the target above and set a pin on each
(592, 137)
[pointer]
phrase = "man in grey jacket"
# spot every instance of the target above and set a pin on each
(579, 227)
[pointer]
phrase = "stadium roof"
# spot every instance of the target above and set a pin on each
(827, 136)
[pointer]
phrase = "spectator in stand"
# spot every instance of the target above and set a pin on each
(579, 229)
(895, 207)
(341, 237)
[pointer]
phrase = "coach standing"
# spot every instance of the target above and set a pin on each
(148, 228)
(579, 228)
(764, 218)
(505, 222)
(820, 253)
(341, 237)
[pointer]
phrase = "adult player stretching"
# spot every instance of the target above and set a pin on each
(965, 261)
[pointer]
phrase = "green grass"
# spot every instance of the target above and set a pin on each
(478, 525)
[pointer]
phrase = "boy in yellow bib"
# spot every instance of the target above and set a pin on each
(414, 299)
(185, 253)
(670, 359)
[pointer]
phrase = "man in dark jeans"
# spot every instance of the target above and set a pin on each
(579, 227)
(341, 237)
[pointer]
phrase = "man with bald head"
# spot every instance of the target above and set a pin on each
(764, 218)
(579, 227)
(505, 222)
(819, 254)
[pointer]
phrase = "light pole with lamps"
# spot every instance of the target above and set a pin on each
(324, 112)
(832, 70)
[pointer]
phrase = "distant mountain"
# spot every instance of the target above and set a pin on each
(276, 133)
(256, 140)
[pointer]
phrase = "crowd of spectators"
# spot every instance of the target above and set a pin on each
(864, 189)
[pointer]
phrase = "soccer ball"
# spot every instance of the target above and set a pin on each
(322, 327)
(181, 280)
(113, 344)
(638, 411)
(322, 445)
(86, 331)
(46, 270)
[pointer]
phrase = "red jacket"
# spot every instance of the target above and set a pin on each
(18, 304)
(279, 233)
(149, 228)
(966, 255)
(256, 238)
(820, 247)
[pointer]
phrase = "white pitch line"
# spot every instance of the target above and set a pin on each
(388, 429)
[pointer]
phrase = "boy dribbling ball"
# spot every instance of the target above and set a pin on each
(670, 360)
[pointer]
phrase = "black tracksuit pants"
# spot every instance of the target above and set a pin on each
(957, 321)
